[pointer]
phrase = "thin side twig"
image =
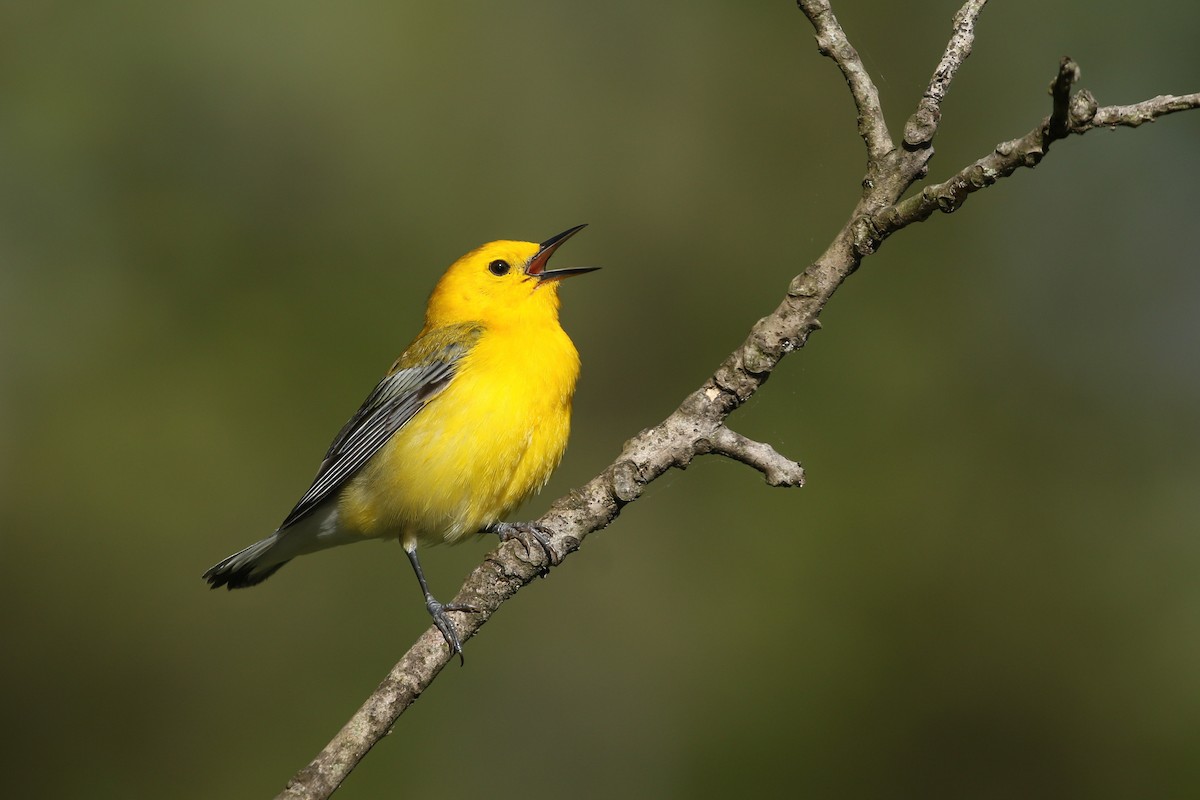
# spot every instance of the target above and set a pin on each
(1130, 116)
(832, 42)
(923, 124)
(779, 470)
(1059, 122)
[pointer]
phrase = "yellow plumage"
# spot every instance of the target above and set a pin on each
(469, 422)
(493, 436)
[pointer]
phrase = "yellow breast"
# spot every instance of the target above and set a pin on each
(478, 449)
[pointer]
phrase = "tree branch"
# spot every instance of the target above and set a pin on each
(922, 125)
(832, 42)
(777, 469)
(1128, 116)
(1075, 114)
(698, 425)
(1057, 125)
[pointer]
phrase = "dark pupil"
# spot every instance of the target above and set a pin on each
(498, 267)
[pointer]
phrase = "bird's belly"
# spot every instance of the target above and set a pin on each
(464, 461)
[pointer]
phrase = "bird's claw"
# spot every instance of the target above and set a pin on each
(525, 532)
(442, 622)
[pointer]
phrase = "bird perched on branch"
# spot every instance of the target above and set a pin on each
(469, 422)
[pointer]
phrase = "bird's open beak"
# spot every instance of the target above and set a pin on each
(537, 264)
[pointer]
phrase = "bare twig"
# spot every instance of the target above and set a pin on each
(1076, 116)
(1057, 125)
(777, 469)
(832, 42)
(1128, 116)
(698, 425)
(922, 125)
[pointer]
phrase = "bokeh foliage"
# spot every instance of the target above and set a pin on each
(218, 225)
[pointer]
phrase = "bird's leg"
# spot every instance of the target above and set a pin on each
(438, 610)
(526, 532)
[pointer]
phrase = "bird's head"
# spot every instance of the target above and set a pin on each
(502, 283)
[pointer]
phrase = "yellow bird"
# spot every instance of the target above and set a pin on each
(469, 422)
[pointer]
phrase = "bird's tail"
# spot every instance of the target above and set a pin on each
(248, 567)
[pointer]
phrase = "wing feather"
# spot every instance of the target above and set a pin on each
(390, 406)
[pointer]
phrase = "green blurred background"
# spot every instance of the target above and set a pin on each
(219, 222)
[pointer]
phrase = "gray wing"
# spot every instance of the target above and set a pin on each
(388, 408)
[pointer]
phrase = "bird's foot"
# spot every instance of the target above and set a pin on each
(526, 533)
(442, 621)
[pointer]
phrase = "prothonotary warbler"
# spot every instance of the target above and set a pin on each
(468, 423)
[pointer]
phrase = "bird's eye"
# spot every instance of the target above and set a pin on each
(499, 267)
